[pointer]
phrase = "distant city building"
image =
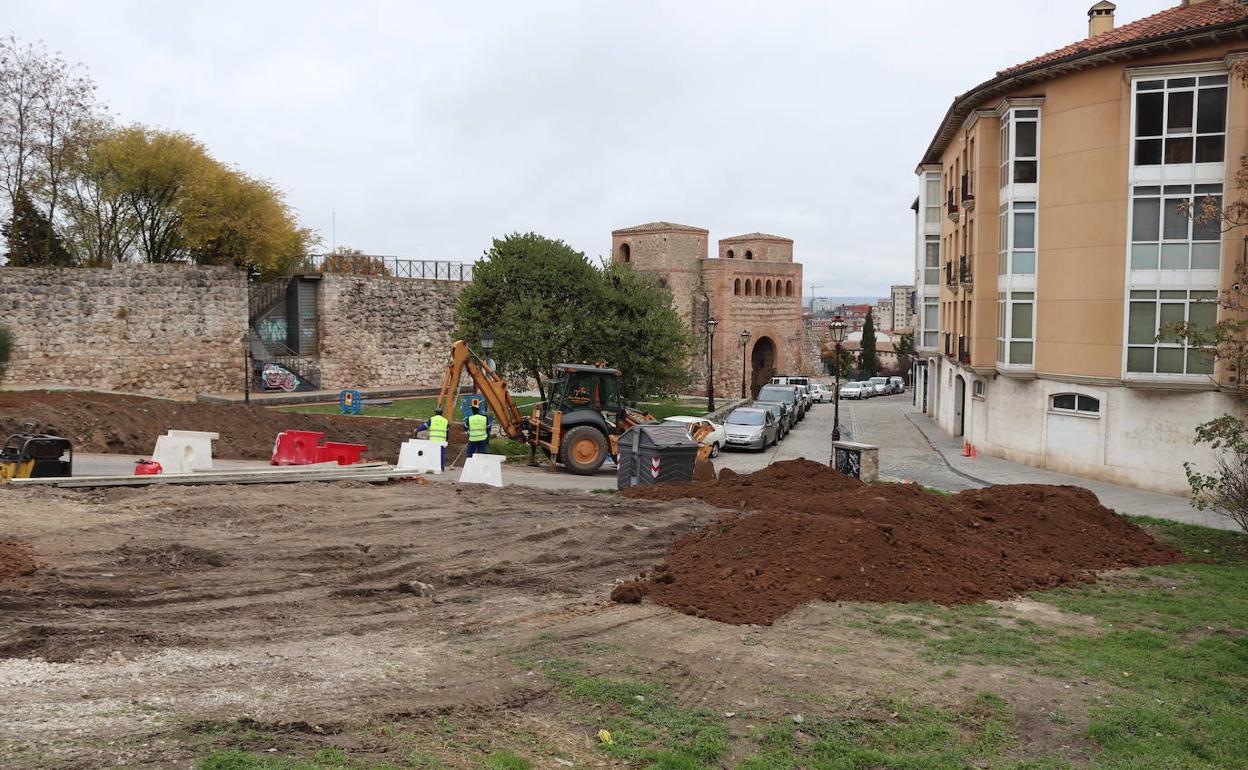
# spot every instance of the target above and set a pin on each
(903, 308)
(883, 314)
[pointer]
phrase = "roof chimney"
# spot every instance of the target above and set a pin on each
(1101, 18)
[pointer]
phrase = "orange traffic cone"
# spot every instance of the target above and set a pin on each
(974, 454)
(966, 449)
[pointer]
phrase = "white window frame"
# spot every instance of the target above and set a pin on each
(1076, 412)
(1007, 173)
(928, 268)
(934, 304)
(1204, 297)
(978, 390)
(1167, 85)
(1143, 280)
(1006, 339)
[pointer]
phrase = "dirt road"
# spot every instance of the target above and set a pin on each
(290, 618)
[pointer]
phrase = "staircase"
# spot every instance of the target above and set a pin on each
(263, 299)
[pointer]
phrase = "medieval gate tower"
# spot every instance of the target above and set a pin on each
(751, 285)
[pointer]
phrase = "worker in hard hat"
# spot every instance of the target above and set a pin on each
(439, 429)
(478, 432)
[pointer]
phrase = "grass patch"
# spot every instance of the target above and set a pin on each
(1169, 649)
(422, 408)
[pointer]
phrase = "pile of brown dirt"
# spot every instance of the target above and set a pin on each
(15, 560)
(817, 534)
(100, 422)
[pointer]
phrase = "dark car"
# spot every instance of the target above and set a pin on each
(785, 394)
(751, 428)
(779, 411)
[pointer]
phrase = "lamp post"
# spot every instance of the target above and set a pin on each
(745, 345)
(837, 331)
(487, 344)
(710, 356)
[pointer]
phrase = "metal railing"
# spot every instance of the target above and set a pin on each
(964, 272)
(951, 205)
(263, 297)
(964, 353)
(394, 267)
(949, 274)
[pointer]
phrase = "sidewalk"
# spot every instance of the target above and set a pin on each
(987, 471)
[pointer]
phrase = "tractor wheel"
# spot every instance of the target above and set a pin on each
(583, 449)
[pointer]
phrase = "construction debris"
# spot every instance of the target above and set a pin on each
(321, 472)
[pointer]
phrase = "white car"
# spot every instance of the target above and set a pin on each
(856, 390)
(880, 384)
(820, 394)
(715, 439)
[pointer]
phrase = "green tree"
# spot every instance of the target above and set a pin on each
(31, 240)
(537, 296)
(639, 332)
(905, 344)
(868, 361)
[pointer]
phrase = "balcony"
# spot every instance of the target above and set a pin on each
(968, 191)
(964, 273)
(950, 281)
(951, 206)
(964, 352)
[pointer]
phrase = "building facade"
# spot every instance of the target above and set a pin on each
(1054, 248)
(903, 308)
(752, 288)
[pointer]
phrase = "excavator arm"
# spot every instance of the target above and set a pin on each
(493, 389)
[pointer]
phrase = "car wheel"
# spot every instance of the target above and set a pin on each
(714, 450)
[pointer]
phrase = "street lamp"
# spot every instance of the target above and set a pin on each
(836, 329)
(745, 344)
(710, 355)
(487, 339)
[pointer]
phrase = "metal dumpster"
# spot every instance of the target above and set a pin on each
(654, 454)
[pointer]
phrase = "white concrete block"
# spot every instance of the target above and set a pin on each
(421, 456)
(201, 446)
(483, 469)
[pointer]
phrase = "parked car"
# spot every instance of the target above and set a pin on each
(803, 385)
(855, 390)
(751, 428)
(715, 439)
(780, 411)
(898, 384)
(880, 384)
(786, 393)
(820, 393)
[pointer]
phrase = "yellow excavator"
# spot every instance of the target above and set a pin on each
(579, 424)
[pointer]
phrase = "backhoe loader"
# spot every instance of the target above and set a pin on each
(579, 424)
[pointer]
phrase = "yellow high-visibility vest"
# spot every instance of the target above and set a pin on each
(477, 430)
(438, 428)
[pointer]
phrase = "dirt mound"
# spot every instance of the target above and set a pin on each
(98, 422)
(816, 534)
(169, 557)
(15, 560)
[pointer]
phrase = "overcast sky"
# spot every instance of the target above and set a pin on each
(427, 128)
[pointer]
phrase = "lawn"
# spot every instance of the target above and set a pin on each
(1157, 657)
(422, 408)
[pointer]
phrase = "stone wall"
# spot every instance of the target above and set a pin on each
(378, 331)
(170, 330)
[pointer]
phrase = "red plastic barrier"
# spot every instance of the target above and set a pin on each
(147, 468)
(296, 447)
(343, 454)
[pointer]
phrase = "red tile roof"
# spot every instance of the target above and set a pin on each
(1170, 21)
(1198, 24)
(756, 237)
(659, 227)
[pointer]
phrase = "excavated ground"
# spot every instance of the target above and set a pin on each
(808, 532)
(101, 422)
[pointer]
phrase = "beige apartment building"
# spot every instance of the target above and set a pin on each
(1053, 248)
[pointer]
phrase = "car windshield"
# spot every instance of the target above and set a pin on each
(879, 380)
(778, 394)
(745, 418)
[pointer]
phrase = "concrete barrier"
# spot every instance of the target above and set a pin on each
(483, 469)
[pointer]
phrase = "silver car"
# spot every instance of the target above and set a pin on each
(881, 385)
(855, 390)
(779, 412)
(751, 429)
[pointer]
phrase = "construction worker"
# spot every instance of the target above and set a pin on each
(439, 429)
(478, 432)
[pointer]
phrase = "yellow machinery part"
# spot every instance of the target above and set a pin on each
(20, 470)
